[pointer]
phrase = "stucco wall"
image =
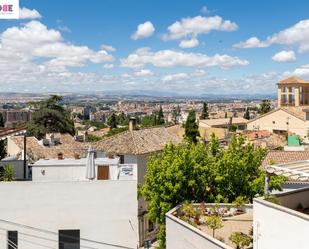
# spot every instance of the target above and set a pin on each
(277, 227)
(181, 235)
(296, 125)
(102, 210)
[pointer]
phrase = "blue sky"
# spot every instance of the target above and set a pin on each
(187, 47)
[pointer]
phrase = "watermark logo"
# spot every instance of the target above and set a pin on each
(9, 9)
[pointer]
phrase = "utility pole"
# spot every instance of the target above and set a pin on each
(25, 155)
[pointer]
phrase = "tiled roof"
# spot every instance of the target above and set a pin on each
(223, 121)
(292, 79)
(277, 157)
(139, 141)
(68, 146)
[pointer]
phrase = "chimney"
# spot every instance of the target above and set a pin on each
(132, 124)
(60, 156)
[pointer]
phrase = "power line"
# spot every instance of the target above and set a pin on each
(67, 236)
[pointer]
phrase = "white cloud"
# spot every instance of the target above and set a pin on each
(25, 13)
(284, 56)
(108, 48)
(297, 35)
(144, 72)
(171, 58)
(189, 43)
(108, 66)
(187, 29)
(302, 71)
(252, 42)
(143, 30)
(64, 29)
(175, 77)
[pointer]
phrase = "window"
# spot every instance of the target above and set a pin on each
(12, 239)
(121, 159)
(69, 239)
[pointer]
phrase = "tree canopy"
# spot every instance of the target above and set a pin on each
(191, 128)
(265, 106)
(205, 114)
(203, 173)
(50, 116)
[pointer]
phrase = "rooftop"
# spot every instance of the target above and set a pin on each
(280, 157)
(293, 80)
(140, 141)
(223, 121)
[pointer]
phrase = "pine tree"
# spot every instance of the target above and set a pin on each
(191, 128)
(205, 114)
(160, 119)
(247, 114)
(112, 121)
(2, 142)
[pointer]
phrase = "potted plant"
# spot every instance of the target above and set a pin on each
(239, 203)
(300, 208)
(240, 240)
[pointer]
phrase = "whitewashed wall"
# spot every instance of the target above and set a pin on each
(181, 235)
(277, 227)
(102, 210)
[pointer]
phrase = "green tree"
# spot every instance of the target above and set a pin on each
(112, 121)
(214, 222)
(191, 128)
(247, 114)
(176, 114)
(203, 173)
(240, 240)
(8, 173)
(122, 119)
(205, 114)
(160, 117)
(2, 142)
(148, 121)
(50, 116)
(265, 106)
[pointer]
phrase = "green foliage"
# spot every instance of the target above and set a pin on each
(272, 199)
(50, 117)
(265, 106)
(233, 128)
(160, 117)
(205, 114)
(1, 120)
(240, 201)
(214, 222)
(8, 173)
(191, 128)
(93, 138)
(98, 124)
(122, 119)
(199, 172)
(115, 131)
(112, 121)
(240, 240)
(247, 114)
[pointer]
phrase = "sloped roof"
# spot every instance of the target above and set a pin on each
(139, 141)
(293, 112)
(223, 121)
(68, 146)
(278, 157)
(293, 79)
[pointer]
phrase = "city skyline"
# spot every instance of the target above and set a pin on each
(191, 48)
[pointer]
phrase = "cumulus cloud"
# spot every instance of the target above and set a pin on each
(177, 76)
(191, 27)
(144, 72)
(296, 35)
(189, 43)
(252, 42)
(143, 30)
(284, 56)
(108, 48)
(171, 58)
(25, 13)
(108, 66)
(302, 71)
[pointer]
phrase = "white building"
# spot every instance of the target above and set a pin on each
(60, 208)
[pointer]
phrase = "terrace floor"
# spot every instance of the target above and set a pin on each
(237, 223)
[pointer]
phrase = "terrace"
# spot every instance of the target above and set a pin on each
(193, 224)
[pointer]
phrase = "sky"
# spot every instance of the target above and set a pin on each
(154, 46)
